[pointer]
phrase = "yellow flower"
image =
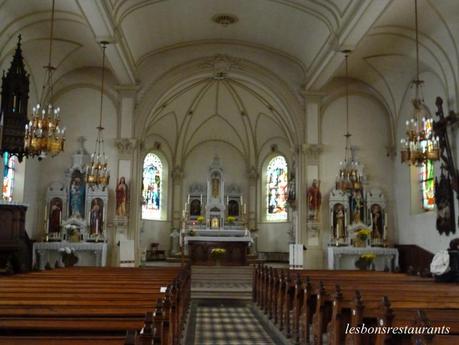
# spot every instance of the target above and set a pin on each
(200, 219)
(217, 252)
(368, 256)
(231, 219)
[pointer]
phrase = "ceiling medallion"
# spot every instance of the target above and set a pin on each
(225, 19)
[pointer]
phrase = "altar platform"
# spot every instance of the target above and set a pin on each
(200, 244)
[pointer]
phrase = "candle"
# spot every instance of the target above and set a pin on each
(245, 208)
(227, 200)
(188, 201)
(201, 199)
(60, 217)
(97, 226)
(242, 199)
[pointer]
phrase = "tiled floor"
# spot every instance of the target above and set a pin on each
(226, 322)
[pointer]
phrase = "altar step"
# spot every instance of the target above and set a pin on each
(221, 282)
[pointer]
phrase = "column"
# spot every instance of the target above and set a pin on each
(311, 153)
(126, 145)
(177, 201)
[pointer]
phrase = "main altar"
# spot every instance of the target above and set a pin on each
(214, 225)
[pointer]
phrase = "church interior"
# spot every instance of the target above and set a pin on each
(229, 172)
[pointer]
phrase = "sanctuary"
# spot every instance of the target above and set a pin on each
(215, 218)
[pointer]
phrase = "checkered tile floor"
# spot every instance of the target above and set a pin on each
(228, 323)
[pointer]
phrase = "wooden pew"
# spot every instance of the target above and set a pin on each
(301, 299)
(96, 302)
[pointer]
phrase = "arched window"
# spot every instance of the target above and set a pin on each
(427, 177)
(152, 187)
(9, 169)
(276, 189)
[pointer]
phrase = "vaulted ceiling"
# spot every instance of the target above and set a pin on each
(308, 33)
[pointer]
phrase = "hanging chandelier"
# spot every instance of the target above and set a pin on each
(350, 171)
(43, 134)
(97, 172)
(419, 144)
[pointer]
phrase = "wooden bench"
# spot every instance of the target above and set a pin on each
(101, 304)
(300, 300)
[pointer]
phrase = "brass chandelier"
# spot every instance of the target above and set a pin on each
(43, 134)
(97, 172)
(419, 144)
(350, 171)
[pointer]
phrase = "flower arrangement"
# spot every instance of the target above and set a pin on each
(217, 253)
(364, 261)
(363, 234)
(368, 257)
(68, 256)
(200, 219)
(230, 219)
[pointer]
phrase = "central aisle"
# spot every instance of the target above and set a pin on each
(227, 322)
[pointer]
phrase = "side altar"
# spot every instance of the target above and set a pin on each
(215, 232)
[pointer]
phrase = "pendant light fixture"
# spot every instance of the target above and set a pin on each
(43, 134)
(350, 170)
(419, 144)
(97, 172)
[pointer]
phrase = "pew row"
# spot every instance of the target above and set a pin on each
(316, 306)
(72, 305)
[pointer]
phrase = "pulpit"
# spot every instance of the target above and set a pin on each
(15, 245)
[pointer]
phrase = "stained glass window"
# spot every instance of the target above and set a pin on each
(151, 187)
(427, 178)
(276, 187)
(9, 168)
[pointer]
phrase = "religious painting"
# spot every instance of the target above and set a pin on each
(77, 194)
(233, 208)
(277, 182)
(339, 222)
(152, 187)
(195, 208)
(377, 222)
(55, 215)
(96, 216)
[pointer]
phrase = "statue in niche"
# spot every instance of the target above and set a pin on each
(77, 195)
(376, 222)
(96, 216)
(339, 229)
(121, 197)
(55, 215)
(233, 208)
(215, 186)
(195, 208)
(314, 198)
(444, 199)
(357, 206)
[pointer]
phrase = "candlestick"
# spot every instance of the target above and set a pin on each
(201, 199)
(97, 226)
(60, 217)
